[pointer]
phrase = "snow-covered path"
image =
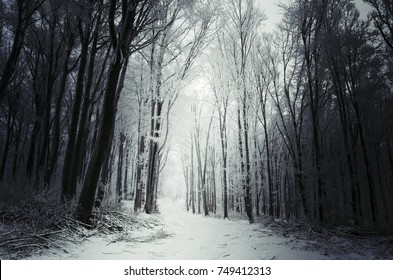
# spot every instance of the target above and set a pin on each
(186, 236)
(199, 237)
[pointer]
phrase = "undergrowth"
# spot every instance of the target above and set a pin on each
(342, 242)
(31, 224)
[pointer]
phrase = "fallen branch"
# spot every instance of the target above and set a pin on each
(52, 242)
(4, 234)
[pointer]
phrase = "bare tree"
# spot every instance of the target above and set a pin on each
(135, 18)
(24, 12)
(382, 15)
(244, 21)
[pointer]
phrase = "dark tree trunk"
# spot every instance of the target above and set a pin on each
(224, 152)
(245, 162)
(269, 169)
(104, 178)
(313, 82)
(139, 170)
(51, 76)
(86, 200)
(68, 178)
(256, 177)
(156, 114)
(349, 150)
(83, 127)
(57, 116)
(119, 189)
(151, 173)
(126, 166)
(6, 145)
(214, 191)
(32, 148)
(16, 155)
(111, 96)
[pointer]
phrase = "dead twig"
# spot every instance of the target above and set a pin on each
(7, 233)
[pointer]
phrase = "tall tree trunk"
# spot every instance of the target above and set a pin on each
(187, 187)
(370, 179)
(57, 116)
(51, 76)
(247, 194)
(111, 96)
(192, 176)
(268, 160)
(32, 147)
(139, 170)
(83, 126)
(86, 200)
(214, 195)
(313, 88)
(6, 145)
(349, 150)
(119, 189)
(68, 177)
(224, 153)
(256, 176)
(16, 155)
(126, 166)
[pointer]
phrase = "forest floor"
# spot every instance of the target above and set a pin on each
(175, 233)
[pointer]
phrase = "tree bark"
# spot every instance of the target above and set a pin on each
(86, 200)
(68, 177)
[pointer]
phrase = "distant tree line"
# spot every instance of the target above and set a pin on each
(302, 116)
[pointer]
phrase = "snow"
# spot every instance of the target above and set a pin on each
(176, 234)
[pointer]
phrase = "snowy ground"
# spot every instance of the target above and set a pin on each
(177, 234)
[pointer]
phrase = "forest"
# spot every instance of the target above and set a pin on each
(101, 102)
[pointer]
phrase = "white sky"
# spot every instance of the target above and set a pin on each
(273, 12)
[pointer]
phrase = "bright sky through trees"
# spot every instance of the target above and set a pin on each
(270, 7)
